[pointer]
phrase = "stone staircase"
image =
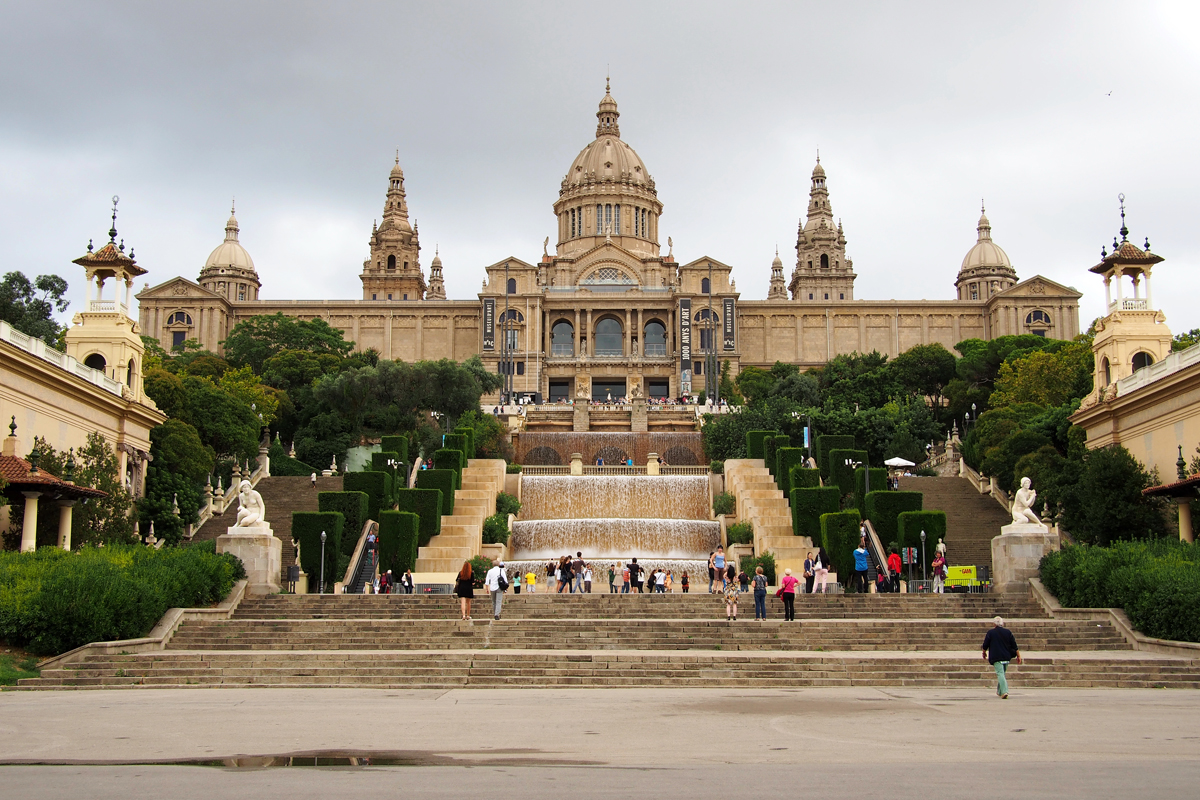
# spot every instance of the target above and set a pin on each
(972, 519)
(761, 503)
(461, 536)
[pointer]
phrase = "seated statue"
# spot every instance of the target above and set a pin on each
(252, 512)
(1022, 508)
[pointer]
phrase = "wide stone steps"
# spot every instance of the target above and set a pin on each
(972, 519)
(462, 532)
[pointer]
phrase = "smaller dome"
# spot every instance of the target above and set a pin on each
(778, 262)
(230, 254)
(397, 172)
(437, 260)
(985, 253)
(818, 170)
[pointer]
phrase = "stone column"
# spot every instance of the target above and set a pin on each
(64, 523)
(1017, 553)
(29, 526)
(1185, 519)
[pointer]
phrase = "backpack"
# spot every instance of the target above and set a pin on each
(502, 582)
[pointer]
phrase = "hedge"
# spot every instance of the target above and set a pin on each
(450, 459)
(716, 467)
(740, 533)
(512, 469)
(379, 460)
(353, 508)
(803, 478)
(395, 444)
(443, 480)
(884, 509)
(909, 527)
(878, 483)
(724, 503)
(842, 474)
(495, 529)
(306, 528)
(399, 537)
(1156, 582)
(426, 504)
(376, 485)
(809, 505)
(839, 537)
(754, 443)
(771, 446)
(468, 435)
(787, 458)
(827, 443)
(507, 504)
(455, 441)
(52, 600)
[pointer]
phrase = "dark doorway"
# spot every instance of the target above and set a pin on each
(560, 390)
(604, 389)
(658, 388)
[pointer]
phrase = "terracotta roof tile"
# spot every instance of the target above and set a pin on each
(1184, 488)
(16, 472)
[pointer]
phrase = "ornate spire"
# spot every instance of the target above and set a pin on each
(1124, 230)
(437, 289)
(607, 116)
(231, 225)
(112, 232)
(985, 227)
(778, 289)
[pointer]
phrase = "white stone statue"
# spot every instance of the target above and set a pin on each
(252, 513)
(1022, 507)
(546, 247)
(670, 247)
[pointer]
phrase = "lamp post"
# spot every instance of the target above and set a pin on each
(924, 577)
(321, 590)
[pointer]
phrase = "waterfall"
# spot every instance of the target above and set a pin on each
(553, 448)
(681, 497)
(615, 538)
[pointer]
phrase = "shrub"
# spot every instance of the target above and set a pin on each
(353, 508)
(399, 537)
(717, 467)
(878, 483)
(842, 474)
(1156, 582)
(479, 569)
(766, 561)
(724, 503)
(427, 505)
(826, 443)
(284, 465)
(507, 504)
(495, 529)
(376, 485)
(455, 441)
(839, 537)
(911, 523)
(443, 479)
(306, 529)
(781, 441)
(52, 601)
(397, 445)
(786, 459)
(803, 478)
(468, 435)
(513, 469)
(450, 459)
(754, 443)
(740, 533)
(379, 460)
(884, 508)
(809, 505)
(769, 448)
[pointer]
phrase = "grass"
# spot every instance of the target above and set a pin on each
(14, 666)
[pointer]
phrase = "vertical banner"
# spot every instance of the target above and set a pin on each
(489, 324)
(685, 335)
(729, 340)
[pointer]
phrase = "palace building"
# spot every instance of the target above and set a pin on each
(608, 313)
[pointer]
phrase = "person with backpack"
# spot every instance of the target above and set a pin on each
(625, 580)
(861, 565)
(894, 566)
(565, 575)
(683, 581)
(496, 582)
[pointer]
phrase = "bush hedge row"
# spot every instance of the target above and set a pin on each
(809, 505)
(740, 533)
(787, 459)
(306, 529)
(376, 485)
(353, 506)
(829, 442)
(284, 465)
(803, 478)
(426, 504)
(878, 484)
(839, 537)
(443, 480)
(754, 443)
(771, 445)
(840, 473)
(884, 509)
(395, 444)
(1156, 582)
(399, 537)
(52, 601)
(909, 527)
(447, 458)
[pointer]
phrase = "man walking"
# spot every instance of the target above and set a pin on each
(577, 566)
(999, 648)
(493, 584)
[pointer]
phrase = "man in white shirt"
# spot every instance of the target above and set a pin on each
(492, 584)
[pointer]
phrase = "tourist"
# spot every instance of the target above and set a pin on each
(719, 565)
(712, 572)
(625, 579)
(743, 581)
(577, 571)
(531, 581)
(683, 581)
(496, 583)
(407, 581)
(760, 594)
(821, 570)
(731, 594)
(810, 573)
(385, 583)
(517, 579)
(939, 574)
(551, 574)
(894, 566)
(787, 593)
(670, 582)
(999, 648)
(313, 479)
(612, 579)
(861, 565)
(587, 578)
(464, 587)
(660, 580)
(565, 575)
(635, 574)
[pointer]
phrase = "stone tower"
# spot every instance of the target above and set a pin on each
(229, 270)
(823, 272)
(437, 289)
(778, 289)
(986, 269)
(393, 272)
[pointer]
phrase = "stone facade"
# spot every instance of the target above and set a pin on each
(608, 311)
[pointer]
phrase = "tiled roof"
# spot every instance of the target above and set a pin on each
(16, 472)
(109, 254)
(1184, 488)
(1126, 253)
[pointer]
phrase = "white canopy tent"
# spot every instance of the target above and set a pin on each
(897, 461)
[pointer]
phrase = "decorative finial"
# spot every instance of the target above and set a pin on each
(122, 247)
(777, 250)
(233, 206)
(12, 426)
(35, 455)
(982, 207)
(1103, 252)
(818, 155)
(1124, 230)
(397, 156)
(131, 254)
(112, 232)
(89, 245)
(1181, 465)
(69, 467)
(435, 249)
(1147, 244)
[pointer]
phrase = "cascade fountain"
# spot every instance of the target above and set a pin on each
(555, 448)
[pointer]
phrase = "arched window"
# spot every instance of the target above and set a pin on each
(705, 286)
(572, 223)
(654, 338)
(512, 315)
(391, 262)
(609, 339)
(129, 373)
(702, 315)
(1106, 370)
(179, 318)
(617, 219)
(95, 361)
(562, 339)
(1037, 317)
(512, 285)
(707, 328)
(1141, 360)
(824, 261)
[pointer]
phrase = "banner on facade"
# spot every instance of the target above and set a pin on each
(685, 335)
(489, 324)
(729, 342)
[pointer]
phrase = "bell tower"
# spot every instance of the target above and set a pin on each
(823, 272)
(393, 272)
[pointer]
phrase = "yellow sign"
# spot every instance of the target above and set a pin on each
(960, 574)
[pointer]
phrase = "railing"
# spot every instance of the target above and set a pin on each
(364, 556)
(683, 470)
(615, 469)
(1130, 304)
(217, 501)
(38, 348)
(107, 307)
(1172, 363)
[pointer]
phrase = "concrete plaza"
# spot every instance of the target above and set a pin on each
(891, 742)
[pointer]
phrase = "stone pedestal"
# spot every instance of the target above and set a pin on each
(652, 467)
(576, 464)
(260, 552)
(639, 419)
(581, 419)
(1016, 553)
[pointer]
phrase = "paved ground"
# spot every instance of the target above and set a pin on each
(611, 743)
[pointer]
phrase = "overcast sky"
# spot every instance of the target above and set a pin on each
(1046, 110)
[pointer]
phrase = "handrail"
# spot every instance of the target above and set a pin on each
(874, 546)
(350, 583)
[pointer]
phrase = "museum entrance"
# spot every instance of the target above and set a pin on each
(607, 390)
(560, 391)
(658, 388)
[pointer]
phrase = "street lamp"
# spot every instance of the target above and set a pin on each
(924, 577)
(321, 590)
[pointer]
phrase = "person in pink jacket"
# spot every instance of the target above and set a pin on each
(787, 591)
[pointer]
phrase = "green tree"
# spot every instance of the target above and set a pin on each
(725, 386)
(177, 448)
(1045, 377)
(225, 423)
(799, 387)
(1183, 341)
(29, 306)
(244, 385)
(166, 390)
(254, 340)
(924, 370)
(491, 439)
(755, 383)
(1107, 503)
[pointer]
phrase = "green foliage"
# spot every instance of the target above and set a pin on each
(799, 387)
(455, 441)
(451, 460)
(177, 448)
(839, 537)
(468, 435)
(787, 459)
(379, 463)
(911, 523)
(827, 442)
(924, 370)
(766, 560)
(740, 533)
(32, 313)
(180, 463)
(801, 477)
(756, 443)
(1050, 377)
(725, 387)
(512, 469)
(354, 508)
(427, 505)
(495, 529)
(716, 467)
(771, 447)
(479, 569)
(399, 535)
(397, 445)
(858, 380)
(284, 465)
(1106, 504)
(724, 503)
(507, 504)
(809, 505)
(884, 509)
(13, 668)
(1183, 341)
(841, 474)
(878, 483)
(378, 488)
(724, 435)
(1157, 583)
(444, 480)
(754, 383)
(307, 527)
(489, 439)
(224, 422)
(252, 341)
(52, 601)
